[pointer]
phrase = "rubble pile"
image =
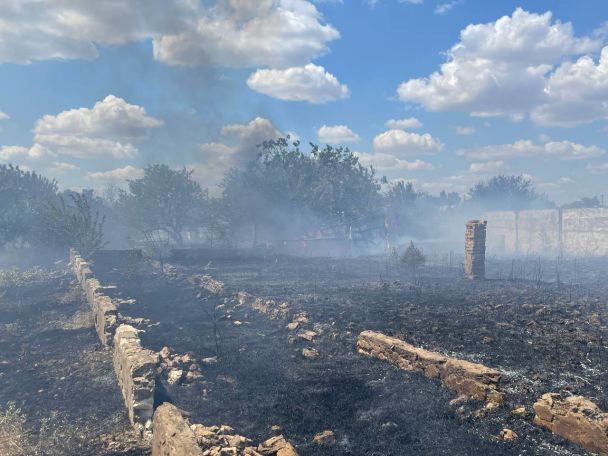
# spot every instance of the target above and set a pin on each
(175, 368)
(174, 436)
(464, 377)
(575, 418)
(210, 284)
(475, 250)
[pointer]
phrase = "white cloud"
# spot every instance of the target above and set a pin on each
(399, 142)
(576, 93)
(504, 68)
(389, 163)
(310, 83)
(229, 33)
(4, 116)
(62, 167)
(337, 134)
(243, 34)
(465, 131)
(117, 175)
(444, 8)
(110, 128)
(403, 124)
(19, 154)
(48, 29)
(563, 150)
(486, 167)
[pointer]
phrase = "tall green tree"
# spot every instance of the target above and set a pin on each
(24, 196)
(293, 193)
(507, 193)
(163, 200)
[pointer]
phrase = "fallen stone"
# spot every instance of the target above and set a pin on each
(325, 438)
(508, 435)
(575, 418)
(171, 434)
(310, 353)
(307, 335)
(174, 376)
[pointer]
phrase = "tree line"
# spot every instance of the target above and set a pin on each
(284, 194)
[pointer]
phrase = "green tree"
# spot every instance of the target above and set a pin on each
(163, 199)
(24, 196)
(507, 193)
(75, 224)
(294, 193)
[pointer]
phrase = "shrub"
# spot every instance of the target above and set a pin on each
(412, 258)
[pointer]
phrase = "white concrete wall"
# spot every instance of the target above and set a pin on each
(580, 232)
(585, 232)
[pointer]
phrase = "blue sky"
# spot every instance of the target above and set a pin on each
(91, 93)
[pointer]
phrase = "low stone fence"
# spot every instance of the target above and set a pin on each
(135, 369)
(105, 312)
(464, 377)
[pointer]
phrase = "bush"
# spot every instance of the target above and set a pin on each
(412, 258)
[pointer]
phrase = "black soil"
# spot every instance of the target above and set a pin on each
(544, 336)
(52, 368)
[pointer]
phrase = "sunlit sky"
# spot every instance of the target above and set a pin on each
(440, 93)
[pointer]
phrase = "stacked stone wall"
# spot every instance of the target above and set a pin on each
(135, 369)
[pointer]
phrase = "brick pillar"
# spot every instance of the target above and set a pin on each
(475, 250)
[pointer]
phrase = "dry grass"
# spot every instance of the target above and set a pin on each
(13, 438)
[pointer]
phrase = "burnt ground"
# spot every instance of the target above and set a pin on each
(53, 370)
(544, 336)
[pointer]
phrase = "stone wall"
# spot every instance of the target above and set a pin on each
(105, 311)
(574, 418)
(464, 377)
(135, 369)
(549, 232)
(475, 250)
(172, 436)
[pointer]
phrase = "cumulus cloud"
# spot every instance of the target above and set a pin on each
(48, 29)
(110, 128)
(337, 134)
(403, 124)
(230, 33)
(388, 163)
(311, 83)
(576, 93)
(20, 154)
(4, 116)
(243, 34)
(118, 175)
(563, 150)
(399, 142)
(506, 68)
(486, 167)
(237, 147)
